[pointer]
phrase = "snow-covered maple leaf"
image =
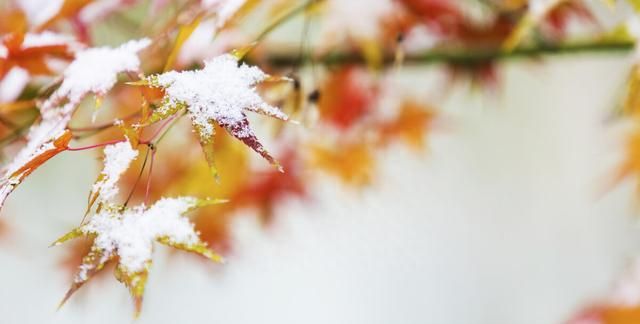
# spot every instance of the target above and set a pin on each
(117, 159)
(219, 93)
(95, 70)
(127, 235)
(44, 141)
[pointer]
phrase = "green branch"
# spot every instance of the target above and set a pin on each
(459, 57)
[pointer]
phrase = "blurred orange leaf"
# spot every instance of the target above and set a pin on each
(411, 125)
(345, 98)
(353, 163)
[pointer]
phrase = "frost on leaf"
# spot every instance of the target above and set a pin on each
(127, 235)
(117, 158)
(95, 70)
(218, 94)
(45, 140)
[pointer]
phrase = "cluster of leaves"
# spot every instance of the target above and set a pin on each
(179, 62)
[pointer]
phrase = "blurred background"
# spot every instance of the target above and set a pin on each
(506, 215)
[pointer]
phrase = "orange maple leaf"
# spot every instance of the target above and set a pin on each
(264, 189)
(16, 177)
(32, 58)
(630, 166)
(353, 163)
(411, 125)
(344, 99)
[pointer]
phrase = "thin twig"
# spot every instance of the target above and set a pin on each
(133, 189)
(147, 190)
(83, 148)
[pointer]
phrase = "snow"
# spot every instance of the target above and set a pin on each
(220, 92)
(13, 83)
(41, 137)
(117, 158)
(39, 140)
(95, 70)
(130, 234)
(48, 38)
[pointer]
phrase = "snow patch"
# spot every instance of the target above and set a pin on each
(95, 70)
(117, 158)
(220, 92)
(131, 233)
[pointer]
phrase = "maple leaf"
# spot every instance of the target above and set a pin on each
(219, 94)
(66, 9)
(443, 15)
(265, 189)
(410, 125)
(75, 252)
(4, 228)
(32, 51)
(45, 140)
(353, 163)
(346, 97)
(12, 20)
(630, 166)
(631, 104)
(127, 235)
(93, 71)
(559, 17)
(189, 172)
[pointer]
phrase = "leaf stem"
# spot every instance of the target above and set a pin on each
(135, 185)
(83, 148)
(147, 190)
